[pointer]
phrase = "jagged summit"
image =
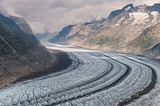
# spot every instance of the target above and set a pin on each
(128, 7)
(145, 8)
(156, 7)
(115, 13)
(142, 8)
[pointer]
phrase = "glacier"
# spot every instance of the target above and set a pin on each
(94, 78)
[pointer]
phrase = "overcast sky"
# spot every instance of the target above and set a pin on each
(53, 15)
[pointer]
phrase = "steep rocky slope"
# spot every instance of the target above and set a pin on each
(151, 39)
(23, 25)
(118, 32)
(147, 39)
(21, 53)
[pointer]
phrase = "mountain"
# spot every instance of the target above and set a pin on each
(41, 35)
(62, 34)
(123, 31)
(151, 39)
(23, 25)
(48, 36)
(21, 53)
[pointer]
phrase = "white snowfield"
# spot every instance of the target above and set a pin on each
(95, 78)
(143, 18)
(138, 17)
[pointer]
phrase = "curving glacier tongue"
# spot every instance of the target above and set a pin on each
(94, 77)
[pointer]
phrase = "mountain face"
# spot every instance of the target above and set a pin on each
(151, 39)
(23, 25)
(21, 53)
(119, 32)
(62, 35)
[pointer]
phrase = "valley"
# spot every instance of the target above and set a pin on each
(94, 77)
(114, 61)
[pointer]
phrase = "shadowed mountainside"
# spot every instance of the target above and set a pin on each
(21, 53)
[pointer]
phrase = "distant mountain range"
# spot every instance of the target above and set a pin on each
(21, 53)
(129, 30)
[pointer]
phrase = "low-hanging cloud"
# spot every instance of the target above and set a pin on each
(53, 15)
(2, 9)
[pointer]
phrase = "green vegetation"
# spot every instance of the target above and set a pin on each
(105, 40)
(144, 41)
(102, 40)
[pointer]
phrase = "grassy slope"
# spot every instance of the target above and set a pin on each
(144, 41)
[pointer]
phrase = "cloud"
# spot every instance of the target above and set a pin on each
(2, 9)
(37, 27)
(53, 15)
(148, 2)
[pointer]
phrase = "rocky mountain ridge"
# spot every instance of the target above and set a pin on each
(115, 33)
(23, 25)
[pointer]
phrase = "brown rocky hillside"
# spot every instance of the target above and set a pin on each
(122, 31)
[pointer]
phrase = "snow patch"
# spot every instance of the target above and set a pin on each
(114, 25)
(118, 23)
(155, 15)
(139, 18)
(121, 19)
(127, 8)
